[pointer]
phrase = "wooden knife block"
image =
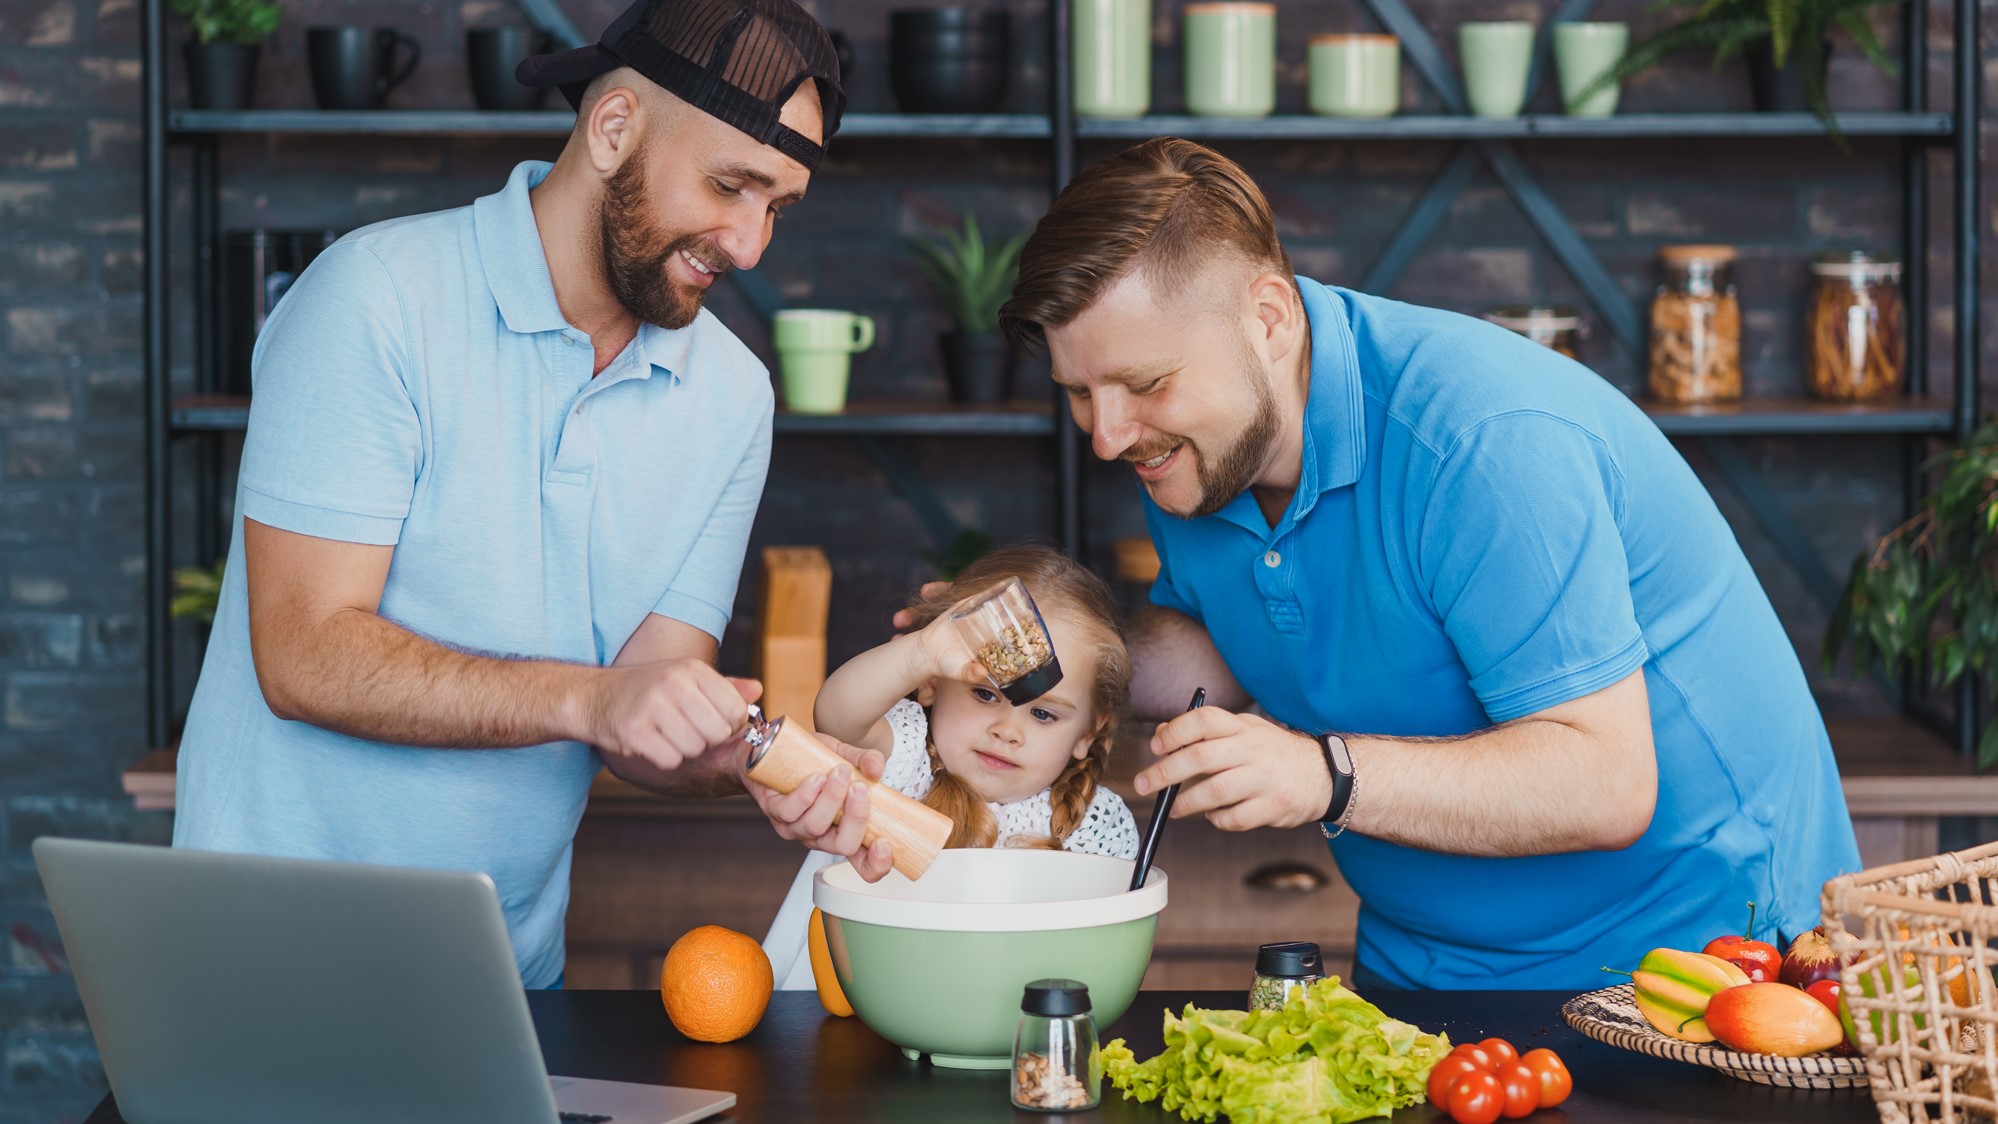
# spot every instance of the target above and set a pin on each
(790, 654)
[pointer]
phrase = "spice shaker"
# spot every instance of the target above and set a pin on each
(783, 757)
(1858, 345)
(1002, 627)
(1056, 1066)
(1283, 970)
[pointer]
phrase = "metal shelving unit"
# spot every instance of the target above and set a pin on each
(1914, 420)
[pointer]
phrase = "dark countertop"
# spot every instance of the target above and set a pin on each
(801, 1064)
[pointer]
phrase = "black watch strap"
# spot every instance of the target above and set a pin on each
(1339, 763)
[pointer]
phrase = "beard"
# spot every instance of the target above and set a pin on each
(636, 252)
(1234, 467)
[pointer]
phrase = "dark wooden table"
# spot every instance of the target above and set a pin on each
(801, 1064)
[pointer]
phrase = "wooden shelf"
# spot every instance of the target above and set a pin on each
(184, 123)
(1800, 416)
(910, 418)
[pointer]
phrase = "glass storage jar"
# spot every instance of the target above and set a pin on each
(1553, 326)
(1056, 1065)
(1857, 327)
(1282, 970)
(1696, 326)
(1003, 628)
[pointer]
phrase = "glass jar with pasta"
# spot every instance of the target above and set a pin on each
(1857, 327)
(1696, 326)
(1552, 326)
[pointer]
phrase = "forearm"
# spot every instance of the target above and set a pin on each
(865, 687)
(361, 675)
(1171, 654)
(1531, 787)
(711, 775)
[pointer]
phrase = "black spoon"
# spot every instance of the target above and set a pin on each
(1161, 812)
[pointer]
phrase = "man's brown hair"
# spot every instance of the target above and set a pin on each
(1166, 207)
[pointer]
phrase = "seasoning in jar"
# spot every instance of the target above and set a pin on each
(1856, 327)
(1282, 970)
(1056, 1065)
(1696, 326)
(1003, 628)
(1552, 326)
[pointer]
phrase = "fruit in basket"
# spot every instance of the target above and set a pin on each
(1772, 1018)
(1809, 960)
(1673, 988)
(1734, 946)
(715, 983)
(1827, 992)
(1753, 967)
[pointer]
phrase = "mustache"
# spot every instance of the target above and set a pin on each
(701, 250)
(1136, 454)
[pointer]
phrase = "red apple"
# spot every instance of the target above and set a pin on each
(1827, 993)
(1751, 966)
(1738, 948)
(1772, 1018)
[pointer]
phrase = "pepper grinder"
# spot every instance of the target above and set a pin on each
(783, 757)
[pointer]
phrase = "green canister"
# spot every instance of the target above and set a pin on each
(1112, 58)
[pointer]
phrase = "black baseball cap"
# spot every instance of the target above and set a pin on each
(738, 60)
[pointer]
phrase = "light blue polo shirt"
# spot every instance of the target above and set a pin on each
(1485, 529)
(419, 388)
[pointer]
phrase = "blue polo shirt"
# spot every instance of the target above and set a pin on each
(419, 388)
(1484, 529)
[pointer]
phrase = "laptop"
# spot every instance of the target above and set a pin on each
(226, 988)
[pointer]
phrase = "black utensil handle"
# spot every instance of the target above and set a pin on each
(1161, 812)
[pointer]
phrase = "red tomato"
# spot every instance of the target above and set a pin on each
(1477, 1052)
(1522, 1090)
(1825, 992)
(1445, 1074)
(1476, 1098)
(1500, 1050)
(1555, 1081)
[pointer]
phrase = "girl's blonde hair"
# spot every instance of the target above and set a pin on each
(1059, 584)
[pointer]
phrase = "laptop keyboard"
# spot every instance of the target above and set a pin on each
(584, 1118)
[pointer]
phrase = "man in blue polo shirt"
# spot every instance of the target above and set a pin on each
(1561, 723)
(498, 481)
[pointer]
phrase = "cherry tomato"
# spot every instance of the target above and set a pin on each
(1445, 1074)
(1477, 1052)
(1476, 1098)
(1555, 1081)
(1500, 1050)
(1522, 1090)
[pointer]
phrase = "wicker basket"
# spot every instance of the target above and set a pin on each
(1917, 938)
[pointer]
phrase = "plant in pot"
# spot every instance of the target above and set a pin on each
(222, 55)
(197, 590)
(973, 278)
(1926, 594)
(1787, 44)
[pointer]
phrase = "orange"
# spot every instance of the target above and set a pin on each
(830, 996)
(715, 984)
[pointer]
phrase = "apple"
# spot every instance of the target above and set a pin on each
(1772, 1018)
(1737, 948)
(1752, 967)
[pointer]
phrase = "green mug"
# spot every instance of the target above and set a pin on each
(1355, 75)
(1111, 57)
(1582, 52)
(1231, 58)
(1497, 57)
(815, 348)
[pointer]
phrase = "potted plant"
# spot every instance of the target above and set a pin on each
(973, 278)
(1787, 44)
(222, 55)
(196, 592)
(1927, 592)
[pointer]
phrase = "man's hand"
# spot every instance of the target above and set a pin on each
(1241, 771)
(905, 619)
(666, 713)
(828, 812)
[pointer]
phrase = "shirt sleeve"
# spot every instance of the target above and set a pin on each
(908, 768)
(1520, 550)
(334, 443)
(703, 592)
(1107, 828)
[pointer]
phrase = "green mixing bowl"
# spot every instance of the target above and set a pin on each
(937, 965)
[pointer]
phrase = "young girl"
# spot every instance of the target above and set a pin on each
(1007, 776)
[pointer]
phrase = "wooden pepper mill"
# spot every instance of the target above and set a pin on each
(783, 757)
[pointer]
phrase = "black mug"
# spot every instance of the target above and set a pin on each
(492, 54)
(354, 67)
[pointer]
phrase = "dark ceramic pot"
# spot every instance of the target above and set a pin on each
(978, 366)
(1780, 91)
(221, 75)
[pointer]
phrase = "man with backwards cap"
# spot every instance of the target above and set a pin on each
(498, 482)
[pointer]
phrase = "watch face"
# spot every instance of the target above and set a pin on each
(1336, 745)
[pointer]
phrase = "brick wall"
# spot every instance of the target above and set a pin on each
(71, 510)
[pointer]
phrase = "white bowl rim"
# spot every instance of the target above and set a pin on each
(839, 891)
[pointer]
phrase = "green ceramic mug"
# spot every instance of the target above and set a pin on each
(1582, 52)
(1496, 57)
(1355, 75)
(815, 348)
(1112, 57)
(1231, 58)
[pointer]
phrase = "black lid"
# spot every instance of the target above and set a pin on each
(1055, 997)
(1288, 958)
(1033, 684)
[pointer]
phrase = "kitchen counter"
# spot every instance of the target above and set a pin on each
(801, 1064)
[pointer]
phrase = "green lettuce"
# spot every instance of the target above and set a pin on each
(1328, 1057)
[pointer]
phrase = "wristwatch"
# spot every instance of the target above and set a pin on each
(1339, 763)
